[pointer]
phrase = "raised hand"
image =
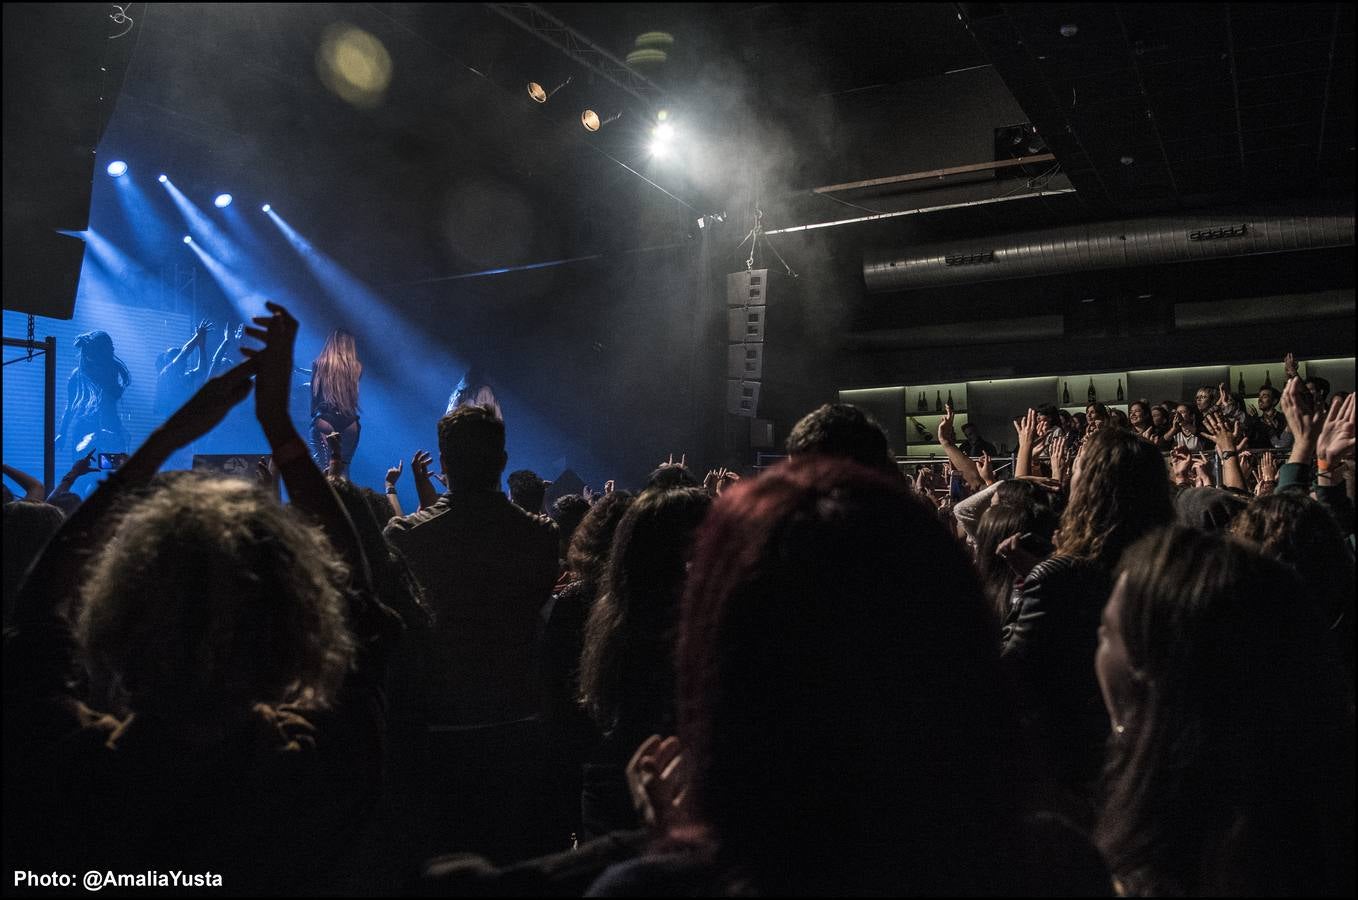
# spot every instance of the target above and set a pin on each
(1060, 455)
(1290, 365)
(1224, 395)
(1336, 440)
(83, 466)
(1303, 420)
(609, 487)
(986, 468)
(273, 380)
(947, 434)
(683, 461)
(1027, 427)
(394, 473)
(658, 783)
(1180, 465)
(1214, 426)
(1200, 471)
(419, 465)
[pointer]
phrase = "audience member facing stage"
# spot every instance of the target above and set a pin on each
(1119, 491)
(627, 667)
(239, 646)
(843, 431)
(527, 490)
(1231, 762)
(844, 726)
(488, 569)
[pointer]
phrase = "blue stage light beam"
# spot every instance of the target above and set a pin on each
(203, 228)
(428, 372)
(244, 299)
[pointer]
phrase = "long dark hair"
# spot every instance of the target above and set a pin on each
(627, 667)
(1234, 774)
(335, 373)
(843, 718)
(1121, 493)
(997, 523)
(98, 369)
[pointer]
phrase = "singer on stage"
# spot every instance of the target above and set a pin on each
(334, 399)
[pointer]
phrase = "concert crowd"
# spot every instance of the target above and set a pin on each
(1120, 662)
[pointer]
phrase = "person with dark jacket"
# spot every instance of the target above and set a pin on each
(487, 568)
(1119, 492)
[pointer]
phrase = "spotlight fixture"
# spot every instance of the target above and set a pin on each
(590, 119)
(265, 208)
(188, 239)
(1069, 30)
(542, 95)
(117, 168)
(222, 201)
(1127, 160)
(164, 178)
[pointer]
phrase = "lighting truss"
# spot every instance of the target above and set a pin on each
(542, 24)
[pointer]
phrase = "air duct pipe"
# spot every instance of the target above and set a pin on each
(1154, 240)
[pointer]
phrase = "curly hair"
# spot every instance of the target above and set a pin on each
(211, 598)
(1121, 491)
(627, 667)
(588, 553)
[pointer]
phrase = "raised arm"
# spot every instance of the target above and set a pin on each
(393, 476)
(1027, 435)
(82, 467)
(947, 436)
(33, 488)
(307, 487)
(55, 578)
(1224, 438)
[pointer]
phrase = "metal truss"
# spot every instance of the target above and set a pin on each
(542, 24)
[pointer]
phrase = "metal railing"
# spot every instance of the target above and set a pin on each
(48, 348)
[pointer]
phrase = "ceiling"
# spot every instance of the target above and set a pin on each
(1156, 105)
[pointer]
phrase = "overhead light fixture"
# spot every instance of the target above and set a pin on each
(1127, 160)
(117, 168)
(590, 119)
(265, 208)
(188, 239)
(162, 179)
(1070, 30)
(541, 94)
(222, 201)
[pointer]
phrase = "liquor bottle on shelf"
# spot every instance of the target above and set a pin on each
(938, 401)
(1093, 397)
(1268, 378)
(950, 403)
(919, 429)
(923, 404)
(1065, 394)
(1240, 386)
(1121, 396)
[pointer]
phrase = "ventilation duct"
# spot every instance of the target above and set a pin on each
(1155, 240)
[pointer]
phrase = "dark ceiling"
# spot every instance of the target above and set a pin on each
(1204, 101)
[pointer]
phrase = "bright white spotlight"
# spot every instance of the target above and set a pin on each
(222, 201)
(188, 239)
(164, 178)
(664, 131)
(265, 208)
(660, 149)
(117, 168)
